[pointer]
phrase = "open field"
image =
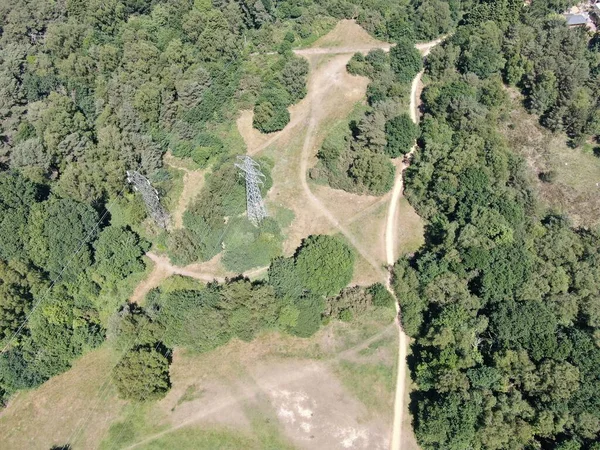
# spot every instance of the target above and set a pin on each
(577, 186)
(275, 392)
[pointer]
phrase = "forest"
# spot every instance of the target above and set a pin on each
(501, 302)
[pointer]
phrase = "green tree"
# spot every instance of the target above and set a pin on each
(324, 264)
(400, 133)
(293, 77)
(310, 309)
(118, 253)
(432, 19)
(53, 249)
(374, 171)
(142, 375)
(405, 60)
(17, 196)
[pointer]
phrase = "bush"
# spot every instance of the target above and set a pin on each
(381, 296)
(310, 310)
(270, 111)
(269, 118)
(400, 133)
(548, 177)
(142, 375)
(325, 264)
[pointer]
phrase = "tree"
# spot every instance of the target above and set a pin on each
(293, 78)
(17, 196)
(310, 308)
(118, 253)
(405, 60)
(269, 118)
(400, 133)
(373, 171)
(53, 249)
(325, 264)
(142, 375)
(432, 19)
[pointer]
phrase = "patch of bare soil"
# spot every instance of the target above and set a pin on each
(315, 409)
(159, 274)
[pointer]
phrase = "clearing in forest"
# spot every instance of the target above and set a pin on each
(333, 390)
(332, 95)
(573, 186)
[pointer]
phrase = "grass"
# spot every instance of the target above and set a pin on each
(74, 407)
(178, 283)
(132, 426)
(372, 348)
(264, 435)
(372, 384)
(192, 392)
(575, 190)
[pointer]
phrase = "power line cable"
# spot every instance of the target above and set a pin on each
(83, 243)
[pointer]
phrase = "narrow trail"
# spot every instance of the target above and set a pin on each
(390, 244)
(163, 269)
(249, 393)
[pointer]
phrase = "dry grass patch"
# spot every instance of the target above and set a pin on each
(74, 408)
(576, 190)
(347, 33)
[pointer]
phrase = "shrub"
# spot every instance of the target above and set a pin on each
(142, 375)
(325, 264)
(400, 133)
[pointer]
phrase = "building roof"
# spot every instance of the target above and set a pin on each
(577, 19)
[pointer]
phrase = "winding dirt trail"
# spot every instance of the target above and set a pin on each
(164, 269)
(390, 243)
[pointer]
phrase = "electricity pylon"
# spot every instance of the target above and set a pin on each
(254, 177)
(150, 196)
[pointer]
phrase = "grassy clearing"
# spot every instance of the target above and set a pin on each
(411, 229)
(264, 435)
(74, 408)
(575, 190)
(133, 425)
(372, 384)
(79, 400)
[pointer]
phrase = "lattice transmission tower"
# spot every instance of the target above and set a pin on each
(254, 178)
(150, 196)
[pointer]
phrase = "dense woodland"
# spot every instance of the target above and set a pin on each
(502, 301)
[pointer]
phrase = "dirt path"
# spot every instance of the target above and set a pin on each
(163, 269)
(390, 244)
(193, 181)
